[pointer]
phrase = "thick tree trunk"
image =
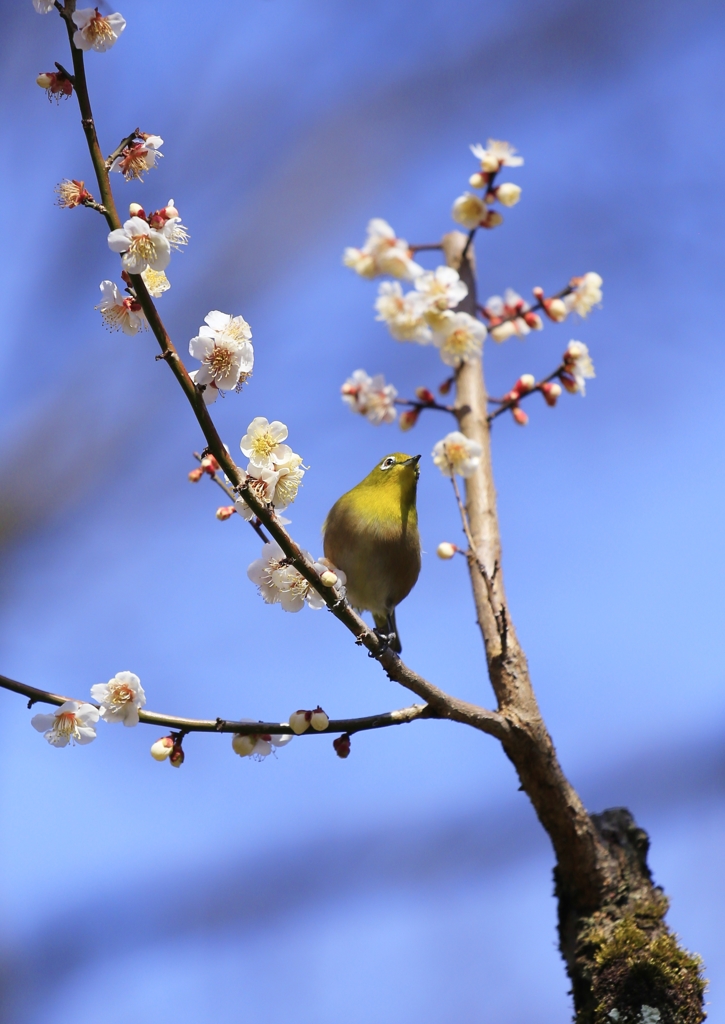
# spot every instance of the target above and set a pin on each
(623, 962)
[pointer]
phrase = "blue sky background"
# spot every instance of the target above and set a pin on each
(412, 881)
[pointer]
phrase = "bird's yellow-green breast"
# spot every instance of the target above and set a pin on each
(371, 533)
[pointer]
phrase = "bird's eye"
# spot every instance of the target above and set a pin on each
(387, 463)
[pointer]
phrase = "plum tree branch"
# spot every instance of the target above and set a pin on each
(444, 705)
(349, 725)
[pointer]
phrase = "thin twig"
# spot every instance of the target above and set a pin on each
(254, 523)
(187, 725)
(508, 403)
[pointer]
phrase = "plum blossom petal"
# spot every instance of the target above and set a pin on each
(262, 444)
(141, 246)
(370, 396)
(120, 698)
(587, 292)
(402, 313)
(460, 339)
(457, 453)
(96, 31)
(119, 313)
(72, 722)
(495, 155)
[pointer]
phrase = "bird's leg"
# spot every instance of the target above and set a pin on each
(389, 638)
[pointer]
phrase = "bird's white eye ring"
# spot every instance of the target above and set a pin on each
(387, 463)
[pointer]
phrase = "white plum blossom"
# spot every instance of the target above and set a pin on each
(511, 305)
(280, 583)
(382, 253)
(587, 293)
(44, 6)
(72, 722)
(402, 313)
(457, 453)
(258, 745)
(262, 443)
(289, 474)
(120, 313)
(141, 246)
(263, 483)
(156, 282)
(120, 698)
(96, 31)
(139, 157)
(440, 291)
(579, 367)
(459, 339)
(225, 352)
(370, 396)
(508, 194)
(469, 210)
(495, 155)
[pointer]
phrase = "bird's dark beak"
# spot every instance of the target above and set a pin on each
(412, 461)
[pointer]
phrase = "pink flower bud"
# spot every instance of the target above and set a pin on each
(408, 418)
(319, 720)
(520, 416)
(209, 465)
(424, 395)
(225, 512)
(524, 384)
(56, 83)
(195, 475)
(446, 550)
(551, 392)
(299, 722)
(533, 320)
(492, 219)
(176, 757)
(162, 748)
(342, 745)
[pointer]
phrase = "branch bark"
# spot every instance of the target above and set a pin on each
(594, 882)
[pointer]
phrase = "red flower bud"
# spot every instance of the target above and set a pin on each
(209, 465)
(424, 395)
(551, 392)
(408, 418)
(195, 475)
(342, 745)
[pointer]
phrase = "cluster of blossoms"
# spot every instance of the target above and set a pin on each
(425, 315)
(138, 156)
(370, 396)
(224, 348)
(280, 583)
(146, 240)
(509, 315)
(75, 722)
(472, 211)
(382, 253)
(274, 471)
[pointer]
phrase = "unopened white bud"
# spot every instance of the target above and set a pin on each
(508, 194)
(299, 722)
(44, 81)
(478, 180)
(526, 382)
(468, 210)
(446, 550)
(171, 210)
(135, 209)
(319, 720)
(243, 745)
(161, 749)
(556, 309)
(328, 578)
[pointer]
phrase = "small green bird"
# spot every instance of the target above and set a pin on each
(371, 533)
